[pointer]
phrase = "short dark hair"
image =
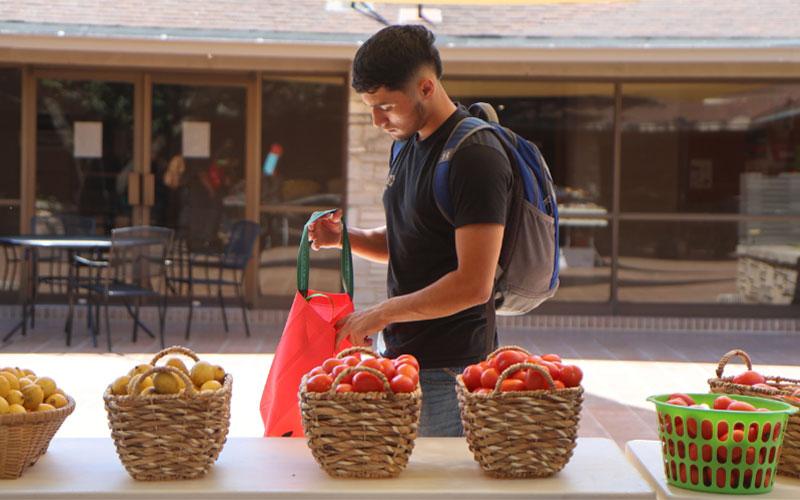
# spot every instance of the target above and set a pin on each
(392, 56)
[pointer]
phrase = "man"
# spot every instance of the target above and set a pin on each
(441, 275)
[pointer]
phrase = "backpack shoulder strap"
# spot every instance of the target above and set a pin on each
(397, 147)
(441, 186)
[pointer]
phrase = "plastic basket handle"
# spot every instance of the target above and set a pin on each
(727, 357)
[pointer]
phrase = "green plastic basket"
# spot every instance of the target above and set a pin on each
(703, 450)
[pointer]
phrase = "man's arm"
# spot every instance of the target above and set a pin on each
(478, 250)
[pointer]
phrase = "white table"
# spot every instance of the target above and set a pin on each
(646, 457)
(88, 468)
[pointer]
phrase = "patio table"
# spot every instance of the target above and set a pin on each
(268, 468)
(646, 457)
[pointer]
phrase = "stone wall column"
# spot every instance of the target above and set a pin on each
(367, 168)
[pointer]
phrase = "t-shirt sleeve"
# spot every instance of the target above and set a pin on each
(480, 184)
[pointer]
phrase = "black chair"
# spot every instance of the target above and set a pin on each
(233, 259)
(135, 269)
(57, 260)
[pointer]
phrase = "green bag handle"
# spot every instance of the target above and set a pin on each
(345, 266)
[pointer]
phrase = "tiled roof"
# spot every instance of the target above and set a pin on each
(301, 19)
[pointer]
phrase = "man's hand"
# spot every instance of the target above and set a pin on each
(326, 232)
(359, 327)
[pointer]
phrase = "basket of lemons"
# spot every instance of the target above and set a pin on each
(31, 411)
(170, 422)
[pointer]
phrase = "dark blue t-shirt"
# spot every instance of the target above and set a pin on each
(422, 242)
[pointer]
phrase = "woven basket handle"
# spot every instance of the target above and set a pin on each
(175, 349)
(507, 348)
(544, 372)
(136, 389)
(353, 369)
(359, 349)
(727, 357)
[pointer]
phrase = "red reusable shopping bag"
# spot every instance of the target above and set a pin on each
(308, 340)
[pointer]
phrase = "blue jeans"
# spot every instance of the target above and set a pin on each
(440, 416)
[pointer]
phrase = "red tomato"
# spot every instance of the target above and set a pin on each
(741, 406)
(551, 357)
(693, 451)
(535, 381)
(693, 475)
(344, 388)
(483, 390)
(512, 384)
(489, 378)
(691, 427)
(347, 379)
(316, 371)
(677, 402)
(388, 368)
(507, 358)
(685, 397)
(350, 360)
(533, 358)
(738, 435)
(484, 365)
(407, 358)
(366, 382)
(319, 383)
(330, 364)
(571, 375)
(520, 374)
(559, 384)
(722, 402)
(472, 377)
(749, 377)
(555, 371)
(409, 371)
(401, 383)
(373, 363)
(707, 429)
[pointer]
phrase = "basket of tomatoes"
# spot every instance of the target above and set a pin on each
(360, 413)
(721, 443)
(520, 412)
(753, 383)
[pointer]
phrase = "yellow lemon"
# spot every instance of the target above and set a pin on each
(47, 384)
(33, 396)
(16, 409)
(45, 407)
(5, 387)
(202, 372)
(27, 373)
(120, 386)
(3, 406)
(11, 370)
(177, 363)
(14, 397)
(211, 385)
(12, 379)
(57, 400)
(166, 383)
(219, 373)
(139, 369)
(148, 391)
(24, 381)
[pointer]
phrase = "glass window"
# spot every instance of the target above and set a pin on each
(585, 273)
(10, 130)
(699, 262)
(84, 150)
(711, 147)
(304, 121)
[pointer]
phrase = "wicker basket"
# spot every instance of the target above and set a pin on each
(169, 436)
(360, 435)
(520, 434)
(789, 464)
(25, 437)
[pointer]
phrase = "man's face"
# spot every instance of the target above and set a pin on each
(398, 113)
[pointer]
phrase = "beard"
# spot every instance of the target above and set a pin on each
(417, 121)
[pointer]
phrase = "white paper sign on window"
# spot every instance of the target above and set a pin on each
(196, 139)
(88, 139)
